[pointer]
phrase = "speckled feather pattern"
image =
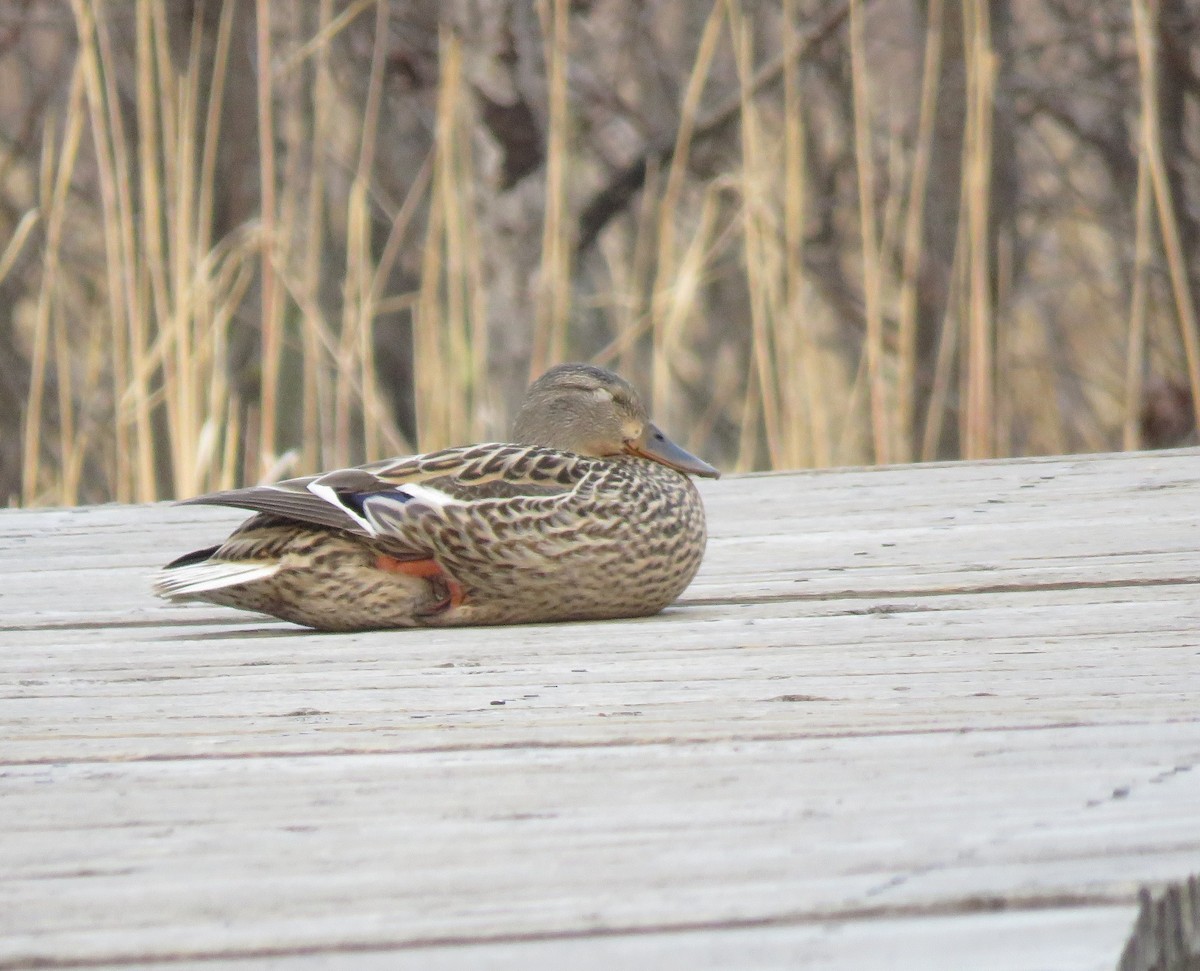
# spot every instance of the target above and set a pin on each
(625, 541)
(535, 535)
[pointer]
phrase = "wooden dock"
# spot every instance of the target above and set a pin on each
(907, 718)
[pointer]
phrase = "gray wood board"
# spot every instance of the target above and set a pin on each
(929, 716)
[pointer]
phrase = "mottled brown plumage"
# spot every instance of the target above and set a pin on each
(588, 514)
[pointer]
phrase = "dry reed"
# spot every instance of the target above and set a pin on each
(158, 344)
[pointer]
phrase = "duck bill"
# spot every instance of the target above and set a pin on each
(656, 446)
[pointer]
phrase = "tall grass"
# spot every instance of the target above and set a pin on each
(1145, 34)
(912, 241)
(134, 387)
(173, 294)
(450, 326)
(979, 374)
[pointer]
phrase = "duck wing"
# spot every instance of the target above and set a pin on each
(383, 499)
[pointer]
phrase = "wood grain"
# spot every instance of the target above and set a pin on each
(931, 716)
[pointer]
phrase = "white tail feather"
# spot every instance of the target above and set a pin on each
(185, 582)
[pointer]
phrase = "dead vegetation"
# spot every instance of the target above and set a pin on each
(243, 239)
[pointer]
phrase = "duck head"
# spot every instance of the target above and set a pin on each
(592, 411)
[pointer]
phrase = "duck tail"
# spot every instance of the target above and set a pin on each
(193, 575)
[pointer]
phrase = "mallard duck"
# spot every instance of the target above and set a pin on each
(587, 514)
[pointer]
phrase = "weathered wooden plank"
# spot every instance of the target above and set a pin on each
(893, 701)
(859, 533)
(482, 844)
(1166, 934)
(774, 676)
(1059, 938)
(770, 669)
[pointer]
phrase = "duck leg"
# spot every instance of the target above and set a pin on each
(450, 591)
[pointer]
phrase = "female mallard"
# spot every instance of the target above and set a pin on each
(588, 515)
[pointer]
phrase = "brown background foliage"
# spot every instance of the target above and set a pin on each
(246, 239)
